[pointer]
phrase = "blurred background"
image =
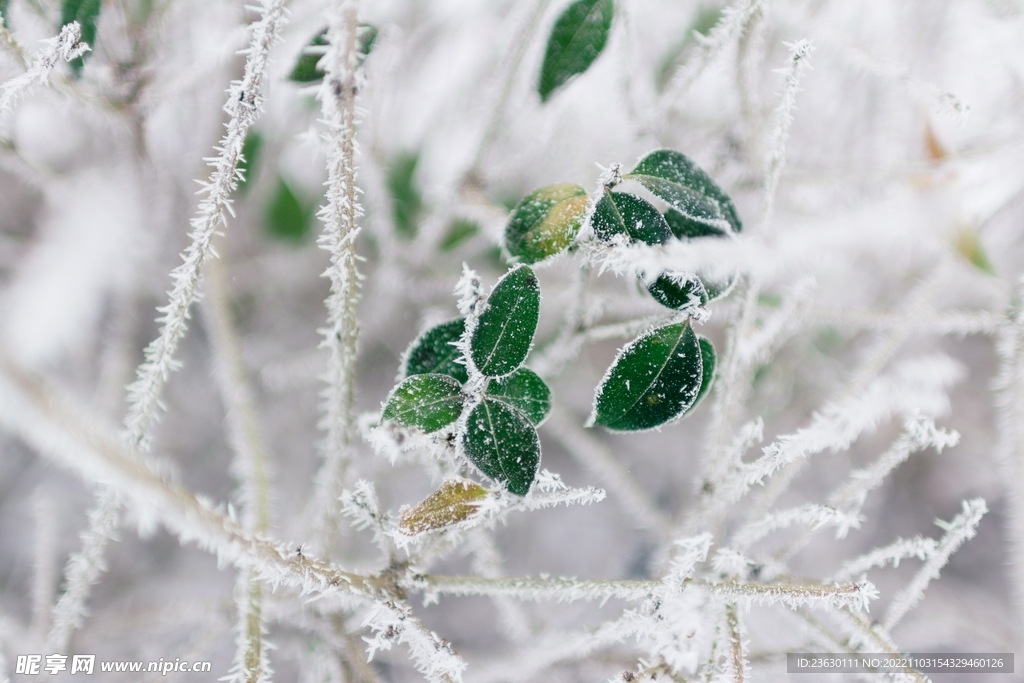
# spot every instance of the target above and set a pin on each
(898, 216)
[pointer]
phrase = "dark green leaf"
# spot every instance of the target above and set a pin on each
(576, 40)
(429, 402)
(674, 290)
(622, 213)
(686, 228)
(306, 71)
(672, 176)
(709, 361)
(250, 157)
(460, 230)
(406, 201)
(434, 352)
(287, 217)
(500, 440)
(653, 381)
(504, 333)
(546, 222)
(525, 390)
(85, 12)
(3, 13)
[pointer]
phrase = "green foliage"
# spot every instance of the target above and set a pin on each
(525, 390)
(655, 379)
(250, 158)
(460, 230)
(86, 13)
(4, 4)
(621, 213)
(500, 440)
(306, 70)
(406, 200)
(673, 177)
(674, 290)
(504, 333)
(434, 352)
(429, 402)
(686, 228)
(577, 39)
(287, 217)
(545, 222)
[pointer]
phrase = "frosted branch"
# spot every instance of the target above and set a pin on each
(960, 529)
(65, 47)
(83, 571)
(919, 433)
(245, 101)
(340, 216)
(810, 515)
(433, 656)
(798, 54)
(892, 554)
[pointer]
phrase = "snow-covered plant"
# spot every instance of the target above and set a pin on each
(798, 238)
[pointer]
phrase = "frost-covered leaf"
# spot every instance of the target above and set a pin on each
(504, 333)
(525, 390)
(673, 177)
(286, 216)
(429, 402)
(678, 290)
(686, 228)
(85, 12)
(545, 222)
(577, 39)
(406, 200)
(305, 69)
(622, 213)
(453, 502)
(434, 352)
(501, 441)
(655, 378)
(709, 362)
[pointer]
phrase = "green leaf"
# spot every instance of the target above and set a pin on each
(674, 290)
(500, 440)
(576, 40)
(672, 176)
(305, 69)
(406, 200)
(286, 217)
(434, 352)
(708, 363)
(655, 378)
(504, 333)
(85, 12)
(429, 402)
(525, 390)
(686, 228)
(545, 222)
(456, 500)
(621, 213)
(460, 230)
(4, 4)
(250, 157)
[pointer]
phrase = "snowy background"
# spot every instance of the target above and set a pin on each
(894, 243)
